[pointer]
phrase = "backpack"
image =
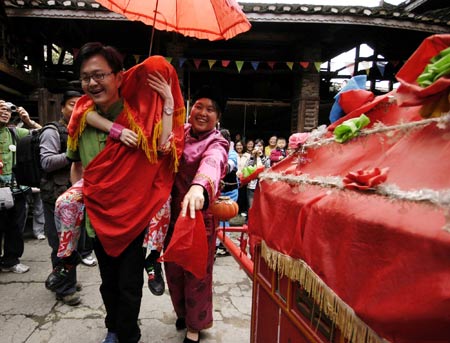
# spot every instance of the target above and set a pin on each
(28, 170)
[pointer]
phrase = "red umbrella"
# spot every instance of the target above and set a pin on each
(204, 19)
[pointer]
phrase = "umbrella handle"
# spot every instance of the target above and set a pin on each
(153, 29)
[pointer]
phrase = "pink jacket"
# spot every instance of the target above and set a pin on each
(203, 162)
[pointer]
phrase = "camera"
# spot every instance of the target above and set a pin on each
(258, 150)
(11, 108)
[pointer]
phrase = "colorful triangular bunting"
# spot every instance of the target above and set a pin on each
(317, 65)
(197, 62)
(211, 63)
(239, 65)
(304, 64)
(255, 64)
(381, 67)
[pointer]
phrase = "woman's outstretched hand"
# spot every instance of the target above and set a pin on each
(193, 200)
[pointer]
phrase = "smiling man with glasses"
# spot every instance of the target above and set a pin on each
(101, 76)
(97, 77)
(124, 185)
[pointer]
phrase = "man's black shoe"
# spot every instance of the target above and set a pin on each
(57, 277)
(155, 280)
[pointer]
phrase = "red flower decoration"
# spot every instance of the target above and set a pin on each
(365, 179)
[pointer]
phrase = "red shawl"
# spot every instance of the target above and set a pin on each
(123, 187)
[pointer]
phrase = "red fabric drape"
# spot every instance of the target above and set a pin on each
(409, 93)
(387, 259)
(124, 187)
(354, 98)
(188, 246)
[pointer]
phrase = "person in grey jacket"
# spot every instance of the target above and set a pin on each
(55, 181)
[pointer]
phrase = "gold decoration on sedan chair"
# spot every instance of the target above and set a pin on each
(345, 318)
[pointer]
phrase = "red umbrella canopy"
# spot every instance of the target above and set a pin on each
(204, 19)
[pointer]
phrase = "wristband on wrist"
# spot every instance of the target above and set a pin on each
(115, 131)
(166, 147)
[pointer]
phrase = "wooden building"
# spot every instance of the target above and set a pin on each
(272, 80)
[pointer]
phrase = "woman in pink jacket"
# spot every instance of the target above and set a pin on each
(202, 166)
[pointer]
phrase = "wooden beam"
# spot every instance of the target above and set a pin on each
(11, 91)
(266, 103)
(17, 74)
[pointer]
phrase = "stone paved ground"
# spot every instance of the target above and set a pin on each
(30, 314)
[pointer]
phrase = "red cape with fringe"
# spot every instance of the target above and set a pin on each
(125, 187)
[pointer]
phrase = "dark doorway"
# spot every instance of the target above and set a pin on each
(257, 119)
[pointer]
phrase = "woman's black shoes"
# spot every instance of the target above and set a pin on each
(188, 340)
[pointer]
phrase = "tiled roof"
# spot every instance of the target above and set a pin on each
(301, 12)
(54, 4)
(257, 12)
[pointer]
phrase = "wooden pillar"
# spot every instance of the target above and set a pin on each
(48, 105)
(305, 105)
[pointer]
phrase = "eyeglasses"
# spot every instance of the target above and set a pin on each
(96, 77)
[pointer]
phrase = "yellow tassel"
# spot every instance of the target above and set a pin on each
(151, 148)
(328, 302)
(72, 142)
(156, 134)
(175, 157)
(142, 143)
(178, 120)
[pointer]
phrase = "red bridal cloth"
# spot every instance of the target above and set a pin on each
(387, 259)
(188, 246)
(354, 98)
(123, 189)
(409, 92)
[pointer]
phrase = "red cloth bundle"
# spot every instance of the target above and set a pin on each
(124, 187)
(409, 93)
(188, 247)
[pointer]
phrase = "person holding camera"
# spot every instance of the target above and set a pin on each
(12, 220)
(257, 158)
